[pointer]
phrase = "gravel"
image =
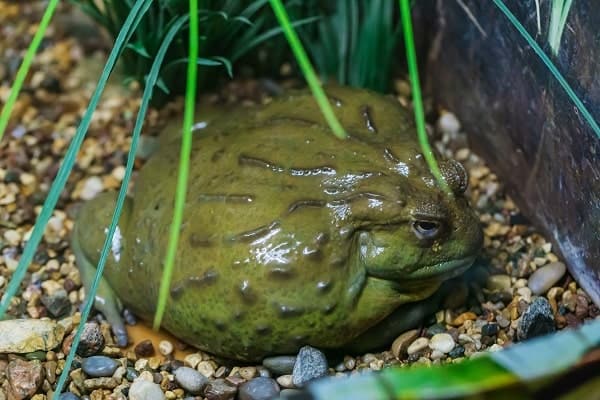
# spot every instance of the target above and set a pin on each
(310, 364)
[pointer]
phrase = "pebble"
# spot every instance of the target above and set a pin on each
(448, 123)
(91, 341)
(537, 320)
(435, 328)
(24, 378)
(190, 380)
(259, 389)
(457, 351)
(98, 366)
(285, 381)
(219, 389)
(310, 364)
(400, 345)
(290, 393)
(418, 345)
(489, 329)
(57, 303)
(442, 342)
(466, 316)
(248, 372)
(145, 348)
(498, 282)
(280, 365)
(142, 389)
(29, 335)
(206, 368)
(91, 188)
(165, 347)
(100, 383)
(545, 277)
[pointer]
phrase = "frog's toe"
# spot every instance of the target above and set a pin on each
(120, 333)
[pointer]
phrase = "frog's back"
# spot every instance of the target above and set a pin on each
(266, 242)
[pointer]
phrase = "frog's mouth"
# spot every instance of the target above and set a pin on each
(440, 271)
(446, 269)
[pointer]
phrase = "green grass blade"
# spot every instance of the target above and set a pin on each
(307, 69)
(413, 72)
(67, 164)
(25, 65)
(139, 123)
(558, 19)
(184, 166)
(551, 67)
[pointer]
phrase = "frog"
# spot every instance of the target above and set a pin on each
(290, 235)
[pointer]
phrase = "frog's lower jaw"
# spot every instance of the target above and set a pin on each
(444, 270)
(438, 272)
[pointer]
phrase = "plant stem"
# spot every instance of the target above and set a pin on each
(184, 166)
(307, 69)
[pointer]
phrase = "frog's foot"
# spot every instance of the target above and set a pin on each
(404, 318)
(105, 300)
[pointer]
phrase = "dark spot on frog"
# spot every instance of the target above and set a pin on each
(177, 291)
(238, 315)
(324, 286)
(246, 292)
(321, 238)
(198, 240)
(263, 329)
(220, 325)
(305, 203)
(286, 311)
(312, 253)
(365, 111)
(208, 278)
(226, 198)
(328, 309)
(281, 273)
(300, 339)
(336, 101)
(249, 161)
(389, 156)
(217, 155)
(255, 234)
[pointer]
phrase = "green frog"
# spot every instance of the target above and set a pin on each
(290, 236)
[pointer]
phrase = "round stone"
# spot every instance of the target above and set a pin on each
(190, 380)
(258, 389)
(537, 320)
(498, 282)
(489, 329)
(545, 277)
(442, 342)
(144, 390)
(280, 365)
(99, 366)
(92, 340)
(310, 364)
(165, 347)
(418, 345)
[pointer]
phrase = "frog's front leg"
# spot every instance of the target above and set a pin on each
(404, 318)
(87, 238)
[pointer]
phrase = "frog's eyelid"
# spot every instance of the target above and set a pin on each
(430, 217)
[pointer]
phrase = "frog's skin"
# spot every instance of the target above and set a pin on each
(290, 236)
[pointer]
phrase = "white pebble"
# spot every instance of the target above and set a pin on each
(442, 342)
(91, 188)
(448, 123)
(165, 347)
(143, 390)
(418, 345)
(545, 277)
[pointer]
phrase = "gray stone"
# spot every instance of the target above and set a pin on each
(57, 303)
(190, 380)
(537, 320)
(259, 389)
(99, 366)
(144, 390)
(280, 365)
(545, 277)
(310, 364)
(442, 342)
(219, 389)
(29, 335)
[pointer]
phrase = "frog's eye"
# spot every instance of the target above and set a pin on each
(427, 230)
